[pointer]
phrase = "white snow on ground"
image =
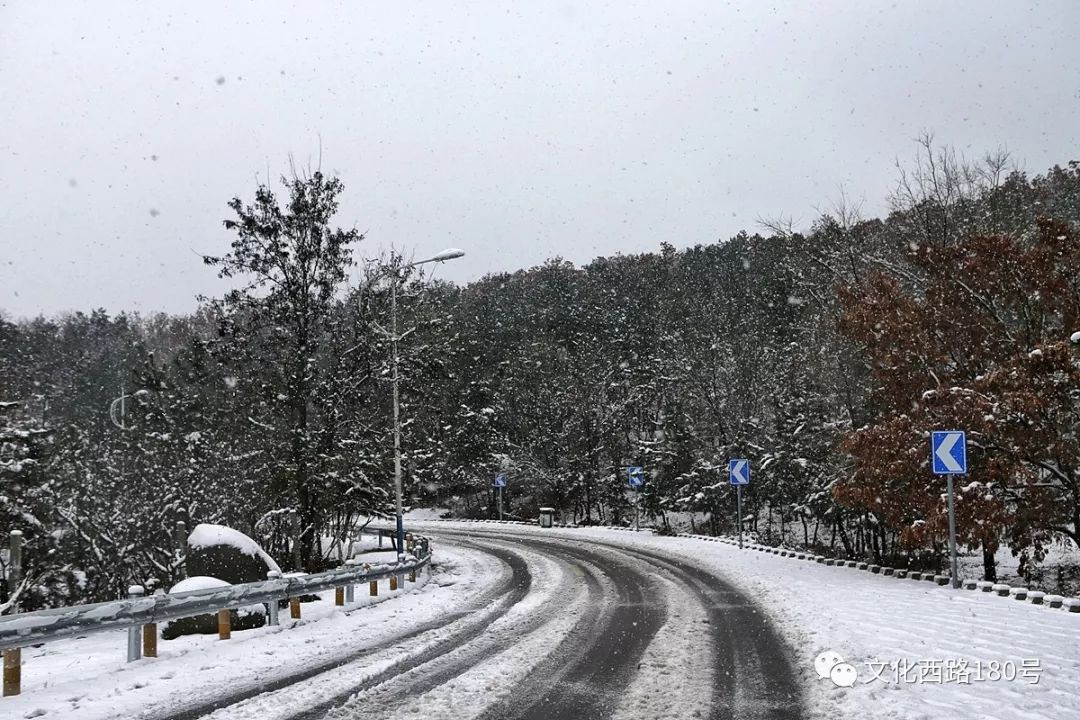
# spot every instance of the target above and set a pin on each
(673, 680)
(89, 678)
(289, 700)
(208, 535)
(886, 621)
(875, 623)
(1059, 555)
(424, 514)
(511, 646)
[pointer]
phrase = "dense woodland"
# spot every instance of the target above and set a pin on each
(825, 357)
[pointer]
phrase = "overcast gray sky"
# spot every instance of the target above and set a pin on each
(517, 131)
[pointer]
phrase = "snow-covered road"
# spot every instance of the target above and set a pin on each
(520, 622)
(570, 629)
(629, 634)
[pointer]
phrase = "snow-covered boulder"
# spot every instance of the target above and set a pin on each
(243, 618)
(221, 552)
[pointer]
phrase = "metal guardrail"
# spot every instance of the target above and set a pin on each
(43, 626)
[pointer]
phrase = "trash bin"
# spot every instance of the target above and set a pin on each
(547, 516)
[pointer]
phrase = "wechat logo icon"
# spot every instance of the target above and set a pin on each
(830, 665)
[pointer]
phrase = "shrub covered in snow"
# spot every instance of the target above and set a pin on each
(243, 618)
(222, 552)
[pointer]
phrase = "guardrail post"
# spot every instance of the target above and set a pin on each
(339, 596)
(149, 635)
(412, 575)
(393, 582)
(294, 608)
(12, 671)
(224, 624)
(149, 640)
(350, 587)
(373, 586)
(272, 606)
(134, 648)
(13, 657)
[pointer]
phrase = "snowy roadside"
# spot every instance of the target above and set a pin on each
(89, 678)
(882, 625)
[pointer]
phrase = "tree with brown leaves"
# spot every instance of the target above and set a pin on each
(981, 336)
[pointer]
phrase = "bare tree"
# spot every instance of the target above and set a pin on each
(938, 192)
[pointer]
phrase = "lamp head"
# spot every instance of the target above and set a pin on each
(448, 254)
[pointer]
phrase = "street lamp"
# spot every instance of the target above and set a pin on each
(448, 254)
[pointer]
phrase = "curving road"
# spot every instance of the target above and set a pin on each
(569, 630)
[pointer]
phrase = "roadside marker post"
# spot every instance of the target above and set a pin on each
(739, 475)
(134, 633)
(635, 476)
(500, 483)
(948, 457)
(13, 657)
(272, 606)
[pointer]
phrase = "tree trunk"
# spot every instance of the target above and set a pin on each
(588, 502)
(843, 537)
(989, 563)
(875, 545)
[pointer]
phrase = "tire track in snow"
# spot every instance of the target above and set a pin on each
(753, 677)
(584, 677)
(617, 639)
(462, 684)
(404, 689)
(502, 597)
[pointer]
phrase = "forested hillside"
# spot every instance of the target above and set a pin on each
(825, 357)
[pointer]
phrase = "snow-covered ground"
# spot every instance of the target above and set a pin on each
(433, 513)
(89, 677)
(879, 623)
(1058, 572)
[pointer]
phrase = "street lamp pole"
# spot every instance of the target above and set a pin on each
(397, 414)
(445, 255)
